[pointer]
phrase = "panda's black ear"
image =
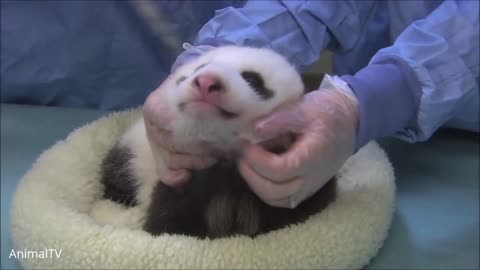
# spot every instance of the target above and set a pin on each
(311, 82)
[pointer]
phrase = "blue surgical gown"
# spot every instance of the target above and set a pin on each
(432, 45)
(111, 54)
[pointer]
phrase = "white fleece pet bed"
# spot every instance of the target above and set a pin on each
(58, 206)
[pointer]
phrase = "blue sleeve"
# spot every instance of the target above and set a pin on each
(428, 77)
(299, 30)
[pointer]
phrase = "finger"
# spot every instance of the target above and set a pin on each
(280, 122)
(157, 124)
(270, 192)
(283, 203)
(186, 161)
(156, 109)
(270, 165)
(290, 164)
(175, 178)
(162, 138)
(305, 150)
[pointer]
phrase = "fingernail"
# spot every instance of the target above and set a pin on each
(179, 177)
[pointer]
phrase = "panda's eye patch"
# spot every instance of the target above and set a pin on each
(181, 79)
(256, 82)
(199, 67)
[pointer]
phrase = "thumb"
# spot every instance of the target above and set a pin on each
(283, 121)
(175, 178)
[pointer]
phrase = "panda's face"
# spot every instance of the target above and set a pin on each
(217, 97)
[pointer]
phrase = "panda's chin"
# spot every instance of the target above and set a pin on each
(205, 111)
(200, 108)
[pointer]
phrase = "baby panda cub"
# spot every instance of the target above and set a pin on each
(215, 100)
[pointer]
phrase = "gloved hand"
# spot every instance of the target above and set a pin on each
(173, 164)
(325, 122)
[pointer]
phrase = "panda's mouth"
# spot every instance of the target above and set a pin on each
(201, 105)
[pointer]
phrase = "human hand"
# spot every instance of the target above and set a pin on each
(325, 122)
(173, 164)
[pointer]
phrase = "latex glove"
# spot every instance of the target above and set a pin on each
(173, 164)
(325, 122)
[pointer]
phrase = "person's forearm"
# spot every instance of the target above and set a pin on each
(299, 30)
(442, 51)
(386, 98)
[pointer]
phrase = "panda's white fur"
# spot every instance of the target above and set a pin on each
(191, 127)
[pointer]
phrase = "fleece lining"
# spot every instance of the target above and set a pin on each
(59, 205)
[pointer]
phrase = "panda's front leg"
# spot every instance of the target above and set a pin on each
(117, 177)
(173, 211)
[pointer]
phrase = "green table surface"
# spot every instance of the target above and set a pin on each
(436, 223)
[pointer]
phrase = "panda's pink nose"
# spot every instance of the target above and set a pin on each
(208, 85)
